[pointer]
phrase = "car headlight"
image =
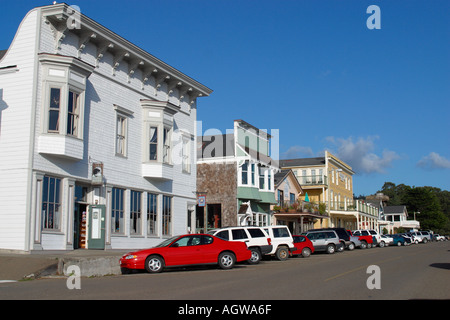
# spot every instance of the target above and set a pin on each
(130, 256)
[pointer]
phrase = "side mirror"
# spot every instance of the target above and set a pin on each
(175, 245)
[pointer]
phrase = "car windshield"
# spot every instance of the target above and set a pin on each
(166, 242)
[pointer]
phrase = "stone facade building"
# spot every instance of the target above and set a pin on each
(236, 173)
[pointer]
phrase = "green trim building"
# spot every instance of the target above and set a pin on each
(236, 173)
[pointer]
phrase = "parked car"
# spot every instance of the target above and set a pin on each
(426, 236)
(411, 239)
(256, 239)
(387, 240)
(186, 250)
(399, 240)
(344, 237)
(282, 241)
(438, 237)
(420, 237)
(365, 237)
(303, 245)
(324, 240)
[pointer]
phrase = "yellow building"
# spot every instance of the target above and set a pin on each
(329, 180)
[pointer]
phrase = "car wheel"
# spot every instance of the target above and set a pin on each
(256, 256)
(382, 244)
(226, 260)
(282, 253)
(154, 264)
(363, 245)
(351, 246)
(425, 240)
(399, 244)
(331, 249)
(306, 252)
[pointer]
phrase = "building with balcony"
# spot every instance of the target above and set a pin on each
(297, 214)
(236, 175)
(397, 216)
(329, 180)
(97, 138)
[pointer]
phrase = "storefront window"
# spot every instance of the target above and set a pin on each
(117, 210)
(51, 204)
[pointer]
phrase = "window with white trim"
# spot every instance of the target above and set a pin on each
(152, 214)
(121, 135)
(51, 204)
(135, 213)
(64, 88)
(166, 216)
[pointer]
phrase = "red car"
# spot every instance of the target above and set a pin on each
(189, 249)
(303, 245)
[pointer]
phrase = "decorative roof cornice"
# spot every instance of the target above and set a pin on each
(61, 17)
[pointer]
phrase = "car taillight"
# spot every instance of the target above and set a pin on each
(269, 241)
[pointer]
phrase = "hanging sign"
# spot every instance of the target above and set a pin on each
(201, 201)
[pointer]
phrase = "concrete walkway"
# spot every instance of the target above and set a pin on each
(18, 266)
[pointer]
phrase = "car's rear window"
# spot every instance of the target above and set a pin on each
(223, 235)
(256, 233)
(238, 234)
(280, 232)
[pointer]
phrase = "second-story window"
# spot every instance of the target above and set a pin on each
(73, 113)
(244, 178)
(153, 143)
(121, 135)
(54, 110)
(64, 81)
(166, 145)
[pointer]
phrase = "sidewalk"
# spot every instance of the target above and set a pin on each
(18, 266)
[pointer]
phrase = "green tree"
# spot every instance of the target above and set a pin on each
(425, 201)
(432, 203)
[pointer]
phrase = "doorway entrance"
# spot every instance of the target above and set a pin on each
(79, 226)
(79, 217)
(211, 220)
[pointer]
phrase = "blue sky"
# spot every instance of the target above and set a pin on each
(379, 99)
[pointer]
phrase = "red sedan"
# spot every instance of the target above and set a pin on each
(303, 245)
(190, 249)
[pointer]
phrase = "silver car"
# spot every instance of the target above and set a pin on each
(324, 240)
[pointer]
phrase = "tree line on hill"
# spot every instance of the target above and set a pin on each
(432, 203)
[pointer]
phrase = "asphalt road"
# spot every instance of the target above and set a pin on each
(415, 272)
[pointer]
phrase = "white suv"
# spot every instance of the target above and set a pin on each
(257, 240)
(282, 241)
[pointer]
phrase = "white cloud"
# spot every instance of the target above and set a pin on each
(297, 152)
(360, 154)
(434, 161)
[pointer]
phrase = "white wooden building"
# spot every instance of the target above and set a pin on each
(96, 138)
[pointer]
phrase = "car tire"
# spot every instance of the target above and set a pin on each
(154, 264)
(382, 244)
(306, 252)
(351, 246)
(226, 260)
(331, 249)
(425, 240)
(256, 256)
(363, 245)
(399, 244)
(282, 253)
